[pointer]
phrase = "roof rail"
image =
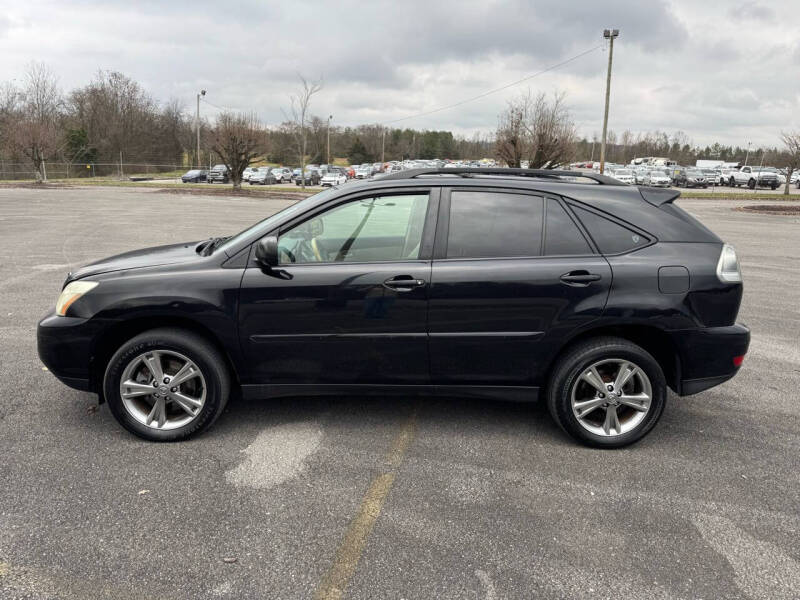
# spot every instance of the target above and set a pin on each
(551, 174)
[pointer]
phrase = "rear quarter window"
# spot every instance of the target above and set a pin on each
(609, 236)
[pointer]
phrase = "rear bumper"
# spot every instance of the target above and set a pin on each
(64, 345)
(707, 355)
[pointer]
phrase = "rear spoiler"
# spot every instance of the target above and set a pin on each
(658, 196)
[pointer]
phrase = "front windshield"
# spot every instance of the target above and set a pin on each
(262, 227)
(694, 173)
(624, 172)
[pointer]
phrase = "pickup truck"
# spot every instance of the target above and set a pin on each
(753, 177)
(218, 173)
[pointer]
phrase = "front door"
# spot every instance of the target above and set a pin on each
(348, 303)
(512, 276)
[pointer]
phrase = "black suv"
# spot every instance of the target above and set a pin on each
(510, 283)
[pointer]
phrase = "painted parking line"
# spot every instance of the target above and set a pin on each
(344, 565)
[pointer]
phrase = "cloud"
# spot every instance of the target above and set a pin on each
(751, 10)
(677, 65)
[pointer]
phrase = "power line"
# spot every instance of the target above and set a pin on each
(467, 100)
(495, 90)
(224, 108)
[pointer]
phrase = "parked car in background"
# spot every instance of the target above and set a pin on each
(247, 172)
(262, 176)
(753, 177)
(194, 176)
(218, 173)
(657, 178)
(312, 177)
(357, 290)
(282, 174)
(364, 172)
(781, 177)
(691, 178)
(625, 176)
(712, 176)
(333, 177)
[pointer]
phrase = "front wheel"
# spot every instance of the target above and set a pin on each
(607, 392)
(166, 385)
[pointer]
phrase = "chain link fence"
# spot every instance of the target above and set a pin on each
(16, 171)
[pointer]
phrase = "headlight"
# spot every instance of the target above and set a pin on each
(72, 292)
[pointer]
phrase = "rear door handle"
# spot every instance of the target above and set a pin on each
(579, 278)
(403, 283)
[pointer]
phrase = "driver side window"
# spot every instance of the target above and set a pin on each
(383, 228)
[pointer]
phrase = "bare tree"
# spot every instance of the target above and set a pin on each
(791, 156)
(537, 130)
(552, 132)
(300, 117)
(34, 130)
(511, 144)
(237, 138)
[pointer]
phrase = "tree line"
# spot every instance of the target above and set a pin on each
(113, 121)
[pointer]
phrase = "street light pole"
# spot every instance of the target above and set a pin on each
(329, 139)
(746, 156)
(609, 34)
(197, 117)
(383, 147)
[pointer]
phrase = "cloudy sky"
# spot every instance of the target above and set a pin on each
(719, 70)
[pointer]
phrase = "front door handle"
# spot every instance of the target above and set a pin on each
(579, 278)
(403, 283)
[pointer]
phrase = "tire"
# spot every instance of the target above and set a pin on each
(774, 187)
(751, 184)
(566, 380)
(173, 346)
(732, 182)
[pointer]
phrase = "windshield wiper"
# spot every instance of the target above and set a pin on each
(207, 247)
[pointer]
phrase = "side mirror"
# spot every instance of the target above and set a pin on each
(267, 251)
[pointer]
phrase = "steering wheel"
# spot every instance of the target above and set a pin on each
(289, 254)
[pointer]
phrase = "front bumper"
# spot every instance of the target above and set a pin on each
(65, 347)
(707, 355)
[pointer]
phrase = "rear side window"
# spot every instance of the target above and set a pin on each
(610, 237)
(492, 224)
(562, 236)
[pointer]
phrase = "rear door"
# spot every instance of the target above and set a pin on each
(513, 274)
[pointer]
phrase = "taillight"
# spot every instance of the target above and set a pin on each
(738, 360)
(728, 266)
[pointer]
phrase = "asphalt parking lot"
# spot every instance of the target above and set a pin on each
(386, 498)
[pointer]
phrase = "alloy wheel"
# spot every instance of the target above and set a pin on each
(611, 397)
(162, 389)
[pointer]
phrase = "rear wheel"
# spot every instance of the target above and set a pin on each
(607, 392)
(751, 184)
(166, 385)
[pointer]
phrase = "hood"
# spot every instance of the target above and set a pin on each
(147, 257)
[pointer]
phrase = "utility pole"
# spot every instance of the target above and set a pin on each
(746, 156)
(197, 121)
(609, 34)
(383, 146)
(329, 139)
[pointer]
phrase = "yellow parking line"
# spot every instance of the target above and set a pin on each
(335, 582)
